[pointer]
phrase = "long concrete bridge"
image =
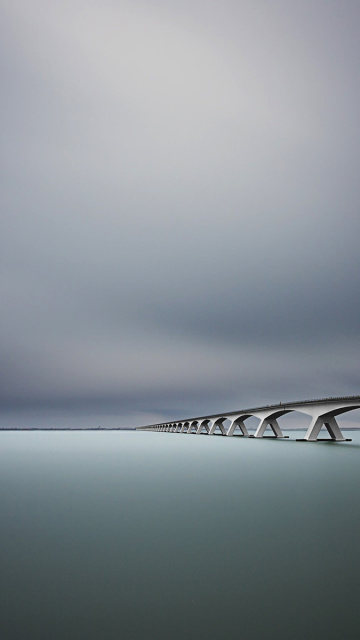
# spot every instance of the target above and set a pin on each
(322, 412)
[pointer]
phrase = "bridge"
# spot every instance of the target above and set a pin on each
(323, 413)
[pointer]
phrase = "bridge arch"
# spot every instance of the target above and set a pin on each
(193, 426)
(238, 423)
(203, 424)
(328, 420)
(218, 424)
(185, 427)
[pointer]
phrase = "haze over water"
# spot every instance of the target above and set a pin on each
(137, 535)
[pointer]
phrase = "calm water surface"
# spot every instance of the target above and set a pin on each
(134, 536)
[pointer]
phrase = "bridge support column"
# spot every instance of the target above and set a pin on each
(268, 422)
(212, 429)
(204, 424)
(331, 425)
(218, 423)
(241, 425)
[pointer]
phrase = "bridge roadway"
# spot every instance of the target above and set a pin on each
(323, 413)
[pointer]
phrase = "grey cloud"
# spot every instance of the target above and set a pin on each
(180, 205)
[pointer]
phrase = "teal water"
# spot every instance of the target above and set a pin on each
(134, 536)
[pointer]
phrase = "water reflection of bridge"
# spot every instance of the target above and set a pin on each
(322, 412)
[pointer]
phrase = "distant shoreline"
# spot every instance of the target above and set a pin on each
(67, 429)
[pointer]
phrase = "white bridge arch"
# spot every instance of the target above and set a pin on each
(323, 413)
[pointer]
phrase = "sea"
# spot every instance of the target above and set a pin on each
(130, 535)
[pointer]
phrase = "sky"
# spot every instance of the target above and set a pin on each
(180, 197)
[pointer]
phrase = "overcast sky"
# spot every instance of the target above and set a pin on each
(180, 214)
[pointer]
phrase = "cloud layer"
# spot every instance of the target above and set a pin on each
(180, 205)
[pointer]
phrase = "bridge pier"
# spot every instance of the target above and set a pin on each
(203, 424)
(193, 425)
(329, 422)
(218, 423)
(274, 426)
(238, 423)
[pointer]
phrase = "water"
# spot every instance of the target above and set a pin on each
(134, 536)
